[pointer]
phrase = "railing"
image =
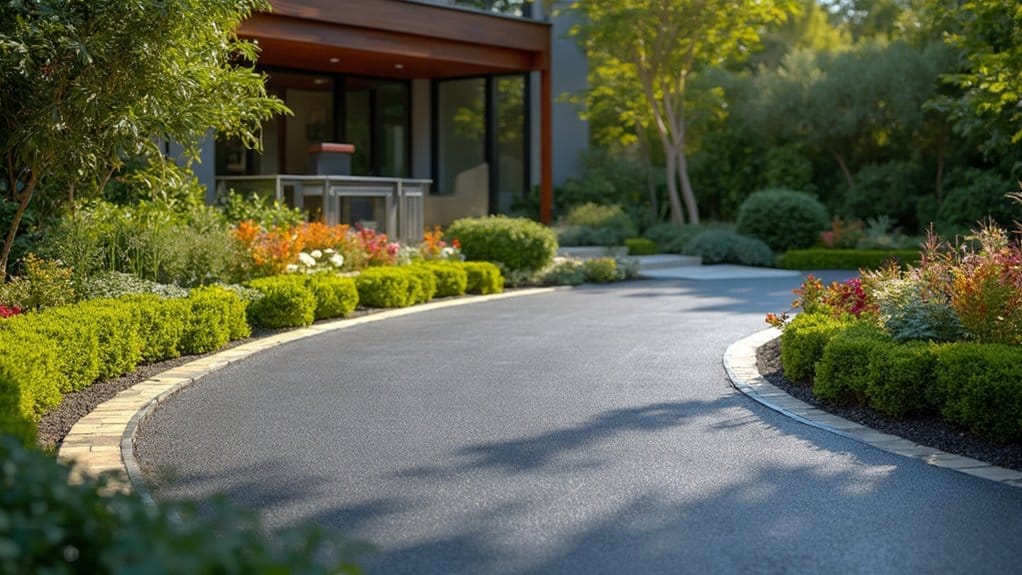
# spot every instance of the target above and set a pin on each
(399, 203)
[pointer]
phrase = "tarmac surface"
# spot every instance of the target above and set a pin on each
(590, 430)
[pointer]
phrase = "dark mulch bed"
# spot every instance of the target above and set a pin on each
(928, 431)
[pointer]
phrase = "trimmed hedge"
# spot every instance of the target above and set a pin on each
(386, 287)
(900, 378)
(162, 323)
(782, 219)
(803, 341)
(451, 278)
(30, 381)
(723, 246)
(77, 340)
(216, 316)
(483, 278)
(518, 244)
(979, 386)
(842, 373)
(641, 247)
(336, 296)
(828, 259)
(287, 301)
(600, 270)
(422, 284)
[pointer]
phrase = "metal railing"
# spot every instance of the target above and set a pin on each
(396, 202)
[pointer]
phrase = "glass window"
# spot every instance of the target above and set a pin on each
(461, 137)
(510, 142)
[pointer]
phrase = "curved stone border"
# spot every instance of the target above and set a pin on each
(103, 440)
(740, 363)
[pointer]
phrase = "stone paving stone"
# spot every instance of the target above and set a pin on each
(995, 473)
(954, 461)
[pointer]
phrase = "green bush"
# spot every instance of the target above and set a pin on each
(286, 302)
(120, 343)
(53, 524)
(721, 246)
(117, 284)
(782, 219)
(827, 259)
(600, 270)
(607, 225)
(842, 373)
(803, 341)
(216, 316)
(564, 272)
(385, 287)
(451, 278)
(71, 332)
(515, 243)
(30, 381)
(161, 324)
(483, 278)
(570, 236)
(979, 386)
(972, 196)
(891, 189)
(899, 376)
(43, 284)
(336, 296)
(641, 247)
(422, 284)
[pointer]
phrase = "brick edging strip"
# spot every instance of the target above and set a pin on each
(740, 364)
(103, 440)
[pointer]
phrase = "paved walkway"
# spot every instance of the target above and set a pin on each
(581, 431)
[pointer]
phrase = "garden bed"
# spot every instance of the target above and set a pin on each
(929, 431)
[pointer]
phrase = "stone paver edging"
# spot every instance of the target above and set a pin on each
(103, 440)
(740, 363)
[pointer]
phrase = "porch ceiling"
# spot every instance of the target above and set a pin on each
(389, 38)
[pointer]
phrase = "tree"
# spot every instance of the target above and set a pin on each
(86, 84)
(664, 43)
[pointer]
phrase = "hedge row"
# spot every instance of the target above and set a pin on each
(976, 386)
(828, 259)
(59, 350)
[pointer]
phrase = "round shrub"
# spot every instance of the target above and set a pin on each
(600, 270)
(286, 302)
(783, 219)
(843, 374)
(598, 225)
(483, 278)
(421, 283)
(216, 315)
(336, 296)
(671, 238)
(564, 272)
(899, 375)
(571, 236)
(641, 247)
(972, 196)
(515, 243)
(385, 287)
(451, 279)
(722, 246)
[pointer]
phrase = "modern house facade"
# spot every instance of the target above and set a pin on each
(449, 106)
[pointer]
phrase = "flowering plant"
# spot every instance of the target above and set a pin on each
(434, 247)
(6, 312)
(317, 261)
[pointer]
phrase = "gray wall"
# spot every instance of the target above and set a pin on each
(570, 70)
(205, 168)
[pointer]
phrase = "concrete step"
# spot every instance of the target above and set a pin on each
(666, 261)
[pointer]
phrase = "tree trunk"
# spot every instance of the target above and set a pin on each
(686, 187)
(844, 170)
(22, 198)
(672, 183)
(646, 153)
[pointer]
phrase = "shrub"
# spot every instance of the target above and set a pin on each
(889, 189)
(899, 376)
(286, 302)
(906, 315)
(979, 386)
(336, 296)
(53, 524)
(641, 247)
(385, 287)
(451, 278)
(70, 331)
(782, 219)
(564, 271)
(973, 196)
(117, 284)
(161, 324)
(803, 341)
(609, 222)
(600, 270)
(828, 259)
(120, 344)
(585, 236)
(721, 246)
(483, 278)
(45, 283)
(30, 381)
(671, 237)
(515, 243)
(264, 211)
(422, 284)
(842, 374)
(217, 315)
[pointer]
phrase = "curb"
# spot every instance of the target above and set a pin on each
(740, 364)
(103, 440)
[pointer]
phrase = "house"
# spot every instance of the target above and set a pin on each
(449, 105)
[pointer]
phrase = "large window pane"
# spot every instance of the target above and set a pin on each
(461, 137)
(510, 141)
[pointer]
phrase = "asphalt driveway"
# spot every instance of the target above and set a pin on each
(583, 431)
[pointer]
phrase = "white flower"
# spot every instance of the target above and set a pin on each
(306, 259)
(291, 268)
(447, 252)
(337, 260)
(329, 251)
(316, 254)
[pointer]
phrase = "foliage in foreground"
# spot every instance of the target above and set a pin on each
(51, 524)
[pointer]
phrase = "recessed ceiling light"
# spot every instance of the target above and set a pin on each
(320, 81)
(399, 66)
(334, 60)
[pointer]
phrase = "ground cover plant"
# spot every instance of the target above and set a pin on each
(942, 336)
